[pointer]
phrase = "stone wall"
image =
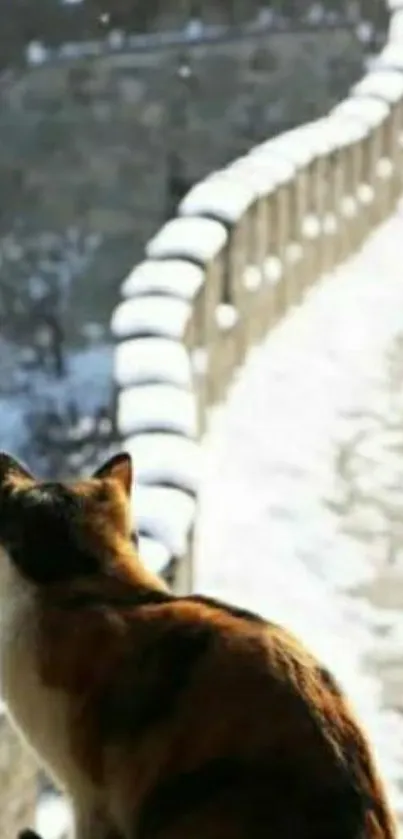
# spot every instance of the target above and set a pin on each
(108, 144)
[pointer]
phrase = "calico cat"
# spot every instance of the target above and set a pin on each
(164, 717)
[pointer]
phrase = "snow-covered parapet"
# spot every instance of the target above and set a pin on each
(369, 111)
(171, 277)
(384, 84)
(390, 58)
(221, 196)
(152, 360)
(246, 244)
(161, 407)
(396, 27)
(196, 239)
(151, 315)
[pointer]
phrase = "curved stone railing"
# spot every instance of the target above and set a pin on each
(247, 243)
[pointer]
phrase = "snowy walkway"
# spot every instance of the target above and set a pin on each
(302, 501)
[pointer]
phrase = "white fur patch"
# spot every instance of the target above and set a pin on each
(38, 712)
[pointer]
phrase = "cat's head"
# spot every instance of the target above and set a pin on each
(53, 532)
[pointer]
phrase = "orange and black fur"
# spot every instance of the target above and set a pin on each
(164, 717)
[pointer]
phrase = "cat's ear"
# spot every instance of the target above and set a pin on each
(118, 468)
(12, 470)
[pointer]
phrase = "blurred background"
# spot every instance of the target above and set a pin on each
(109, 113)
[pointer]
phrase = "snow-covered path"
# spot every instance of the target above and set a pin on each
(301, 513)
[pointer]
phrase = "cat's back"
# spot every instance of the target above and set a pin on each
(247, 728)
(202, 720)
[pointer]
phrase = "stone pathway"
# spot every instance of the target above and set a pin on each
(301, 511)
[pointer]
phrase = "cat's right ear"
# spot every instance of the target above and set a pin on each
(12, 471)
(118, 468)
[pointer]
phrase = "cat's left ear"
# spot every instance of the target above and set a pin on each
(12, 470)
(118, 468)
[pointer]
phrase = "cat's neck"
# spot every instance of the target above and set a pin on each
(122, 581)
